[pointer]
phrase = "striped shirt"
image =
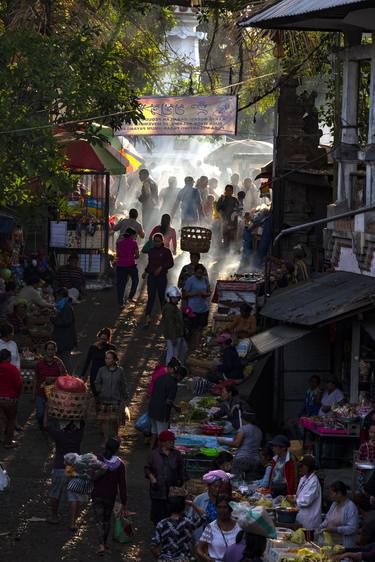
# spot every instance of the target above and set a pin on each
(70, 277)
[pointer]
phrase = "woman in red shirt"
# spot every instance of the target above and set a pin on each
(126, 254)
(10, 390)
(46, 372)
(168, 232)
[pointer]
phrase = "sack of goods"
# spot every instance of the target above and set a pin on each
(253, 519)
(68, 400)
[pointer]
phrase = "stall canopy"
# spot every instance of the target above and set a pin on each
(99, 156)
(321, 300)
(276, 337)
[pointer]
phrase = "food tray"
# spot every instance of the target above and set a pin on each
(195, 239)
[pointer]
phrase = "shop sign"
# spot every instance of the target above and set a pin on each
(186, 115)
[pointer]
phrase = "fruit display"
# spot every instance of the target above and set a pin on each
(298, 537)
(264, 502)
(285, 503)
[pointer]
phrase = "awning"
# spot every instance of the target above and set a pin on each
(331, 15)
(276, 337)
(321, 300)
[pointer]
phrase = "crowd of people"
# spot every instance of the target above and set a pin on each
(38, 317)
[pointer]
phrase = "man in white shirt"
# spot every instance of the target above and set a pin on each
(31, 294)
(131, 222)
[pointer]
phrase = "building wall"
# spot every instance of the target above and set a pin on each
(303, 358)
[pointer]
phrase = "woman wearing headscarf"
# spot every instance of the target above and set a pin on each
(218, 483)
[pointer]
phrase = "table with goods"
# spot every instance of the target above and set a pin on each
(341, 428)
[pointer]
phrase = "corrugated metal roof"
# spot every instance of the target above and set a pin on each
(298, 9)
(322, 299)
(276, 337)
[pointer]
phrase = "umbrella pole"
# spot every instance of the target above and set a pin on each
(106, 222)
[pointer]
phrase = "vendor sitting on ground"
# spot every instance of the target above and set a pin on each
(247, 442)
(18, 317)
(31, 294)
(223, 461)
(71, 275)
(244, 325)
(231, 365)
(284, 474)
(230, 407)
(332, 396)
(341, 521)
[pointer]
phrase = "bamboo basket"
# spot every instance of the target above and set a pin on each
(67, 405)
(195, 239)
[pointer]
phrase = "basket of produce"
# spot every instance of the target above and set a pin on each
(210, 429)
(195, 239)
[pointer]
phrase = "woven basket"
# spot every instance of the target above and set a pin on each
(67, 405)
(195, 486)
(195, 239)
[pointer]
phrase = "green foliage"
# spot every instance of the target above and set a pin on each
(65, 61)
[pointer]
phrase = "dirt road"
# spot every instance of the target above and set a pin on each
(29, 465)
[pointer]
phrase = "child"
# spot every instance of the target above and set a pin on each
(172, 538)
(173, 326)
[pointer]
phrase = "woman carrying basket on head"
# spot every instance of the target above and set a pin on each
(113, 395)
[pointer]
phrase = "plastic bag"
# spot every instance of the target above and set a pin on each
(143, 424)
(148, 246)
(123, 531)
(4, 479)
(67, 383)
(253, 519)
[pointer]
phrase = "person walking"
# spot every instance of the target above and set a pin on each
(96, 356)
(64, 327)
(173, 326)
(164, 469)
(190, 201)
(189, 269)
(168, 195)
(227, 207)
(160, 260)
(197, 291)
(130, 222)
(148, 197)
(162, 401)
(168, 232)
(127, 252)
(46, 372)
(106, 489)
(67, 437)
(110, 384)
(10, 391)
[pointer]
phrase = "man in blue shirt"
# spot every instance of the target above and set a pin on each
(190, 201)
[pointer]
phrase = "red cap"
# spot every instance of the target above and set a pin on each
(167, 435)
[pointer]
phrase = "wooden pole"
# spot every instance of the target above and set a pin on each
(354, 366)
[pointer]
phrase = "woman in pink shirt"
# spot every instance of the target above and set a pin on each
(168, 232)
(126, 254)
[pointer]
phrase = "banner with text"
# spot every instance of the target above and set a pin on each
(189, 115)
